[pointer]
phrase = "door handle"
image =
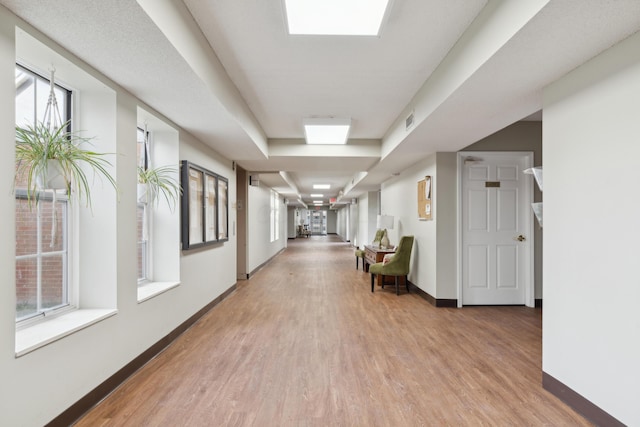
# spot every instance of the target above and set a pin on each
(521, 238)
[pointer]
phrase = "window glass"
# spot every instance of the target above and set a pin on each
(275, 216)
(142, 222)
(142, 148)
(158, 222)
(276, 223)
(41, 228)
(25, 98)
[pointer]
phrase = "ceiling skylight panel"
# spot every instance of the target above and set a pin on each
(335, 17)
(326, 130)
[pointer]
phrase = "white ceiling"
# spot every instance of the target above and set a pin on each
(286, 78)
(227, 72)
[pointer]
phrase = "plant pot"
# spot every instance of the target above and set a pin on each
(53, 178)
(143, 196)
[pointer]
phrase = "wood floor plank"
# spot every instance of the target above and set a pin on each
(304, 342)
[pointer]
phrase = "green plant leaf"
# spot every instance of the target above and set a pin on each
(161, 181)
(36, 144)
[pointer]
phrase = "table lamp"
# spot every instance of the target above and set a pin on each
(384, 222)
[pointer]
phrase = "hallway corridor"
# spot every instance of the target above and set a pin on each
(304, 342)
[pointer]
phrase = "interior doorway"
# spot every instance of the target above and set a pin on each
(496, 223)
(318, 222)
(241, 220)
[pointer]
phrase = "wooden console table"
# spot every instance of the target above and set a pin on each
(373, 254)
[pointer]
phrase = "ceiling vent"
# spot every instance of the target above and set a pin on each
(408, 122)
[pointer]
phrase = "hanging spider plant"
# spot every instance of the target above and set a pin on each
(41, 150)
(160, 181)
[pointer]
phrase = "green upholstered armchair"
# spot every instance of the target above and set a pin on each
(397, 266)
(360, 252)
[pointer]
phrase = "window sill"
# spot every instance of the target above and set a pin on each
(149, 290)
(46, 332)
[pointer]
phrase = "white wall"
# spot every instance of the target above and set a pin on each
(367, 214)
(399, 198)
(39, 385)
(353, 221)
(591, 142)
(332, 222)
(445, 189)
(361, 237)
(303, 216)
(342, 218)
(259, 247)
(292, 224)
(373, 208)
(211, 270)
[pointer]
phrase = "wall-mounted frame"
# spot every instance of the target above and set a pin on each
(204, 206)
(424, 199)
(223, 209)
(210, 207)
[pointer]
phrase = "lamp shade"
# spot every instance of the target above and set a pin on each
(384, 222)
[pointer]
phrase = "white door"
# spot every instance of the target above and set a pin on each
(497, 228)
(319, 222)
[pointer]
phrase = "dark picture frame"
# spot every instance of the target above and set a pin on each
(223, 209)
(204, 206)
(210, 207)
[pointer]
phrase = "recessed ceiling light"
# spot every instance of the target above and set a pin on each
(335, 17)
(326, 130)
(321, 186)
(316, 195)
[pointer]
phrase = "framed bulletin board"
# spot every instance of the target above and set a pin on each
(204, 206)
(223, 209)
(424, 199)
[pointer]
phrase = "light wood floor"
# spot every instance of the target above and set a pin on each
(304, 342)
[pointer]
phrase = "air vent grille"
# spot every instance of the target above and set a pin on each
(408, 122)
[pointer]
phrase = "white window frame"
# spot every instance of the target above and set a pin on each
(40, 255)
(92, 286)
(147, 217)
(275, 216)
(65, 234)
(163, 221)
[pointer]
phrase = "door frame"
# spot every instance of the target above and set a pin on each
(241, 205)
(529, 285)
